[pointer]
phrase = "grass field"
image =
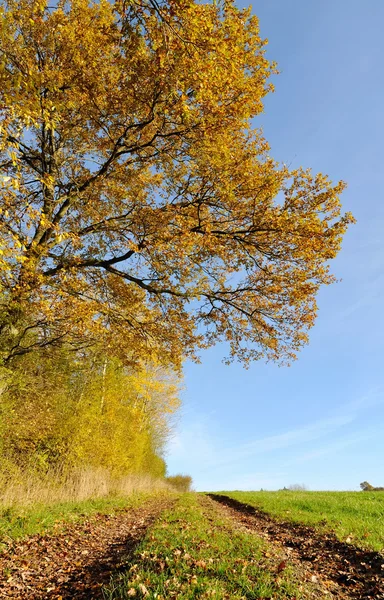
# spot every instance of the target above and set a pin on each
(192, 552)
(356, 517)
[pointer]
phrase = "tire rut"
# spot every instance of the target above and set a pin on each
(78, 561)
(357, 573)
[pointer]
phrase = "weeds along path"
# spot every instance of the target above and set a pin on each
(78, 560)
(356, 573)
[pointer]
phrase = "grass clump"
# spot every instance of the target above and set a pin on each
(192, 552)
(354, 516)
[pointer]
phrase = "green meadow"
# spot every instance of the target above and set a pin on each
(356, 517)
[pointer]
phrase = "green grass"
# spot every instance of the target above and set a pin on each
(356, 516)
(21, 521)
(192, 552)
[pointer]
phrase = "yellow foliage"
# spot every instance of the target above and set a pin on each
(139, 209)
(69, 413)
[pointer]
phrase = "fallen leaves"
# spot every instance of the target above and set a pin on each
(76, 562)
(143, 589)
(281, 566)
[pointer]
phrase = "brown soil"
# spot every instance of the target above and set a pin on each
(354, 572)
(77, 561)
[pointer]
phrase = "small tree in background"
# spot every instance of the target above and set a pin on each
(297, 487)
(367, 487)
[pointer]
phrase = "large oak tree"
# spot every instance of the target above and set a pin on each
(138, 206)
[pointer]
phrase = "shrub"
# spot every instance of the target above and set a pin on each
(182, 483)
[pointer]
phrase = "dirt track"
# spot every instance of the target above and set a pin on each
(74, 563)
(353, 572)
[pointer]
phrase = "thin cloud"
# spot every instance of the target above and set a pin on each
(198, 445)
(294, 437)
(330, 448)
(374, 397)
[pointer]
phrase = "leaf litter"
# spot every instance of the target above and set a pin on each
(78, 559)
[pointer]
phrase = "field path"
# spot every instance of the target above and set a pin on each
(353, 572)
(78, 560)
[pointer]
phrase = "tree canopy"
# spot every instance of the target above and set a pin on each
(139, 209)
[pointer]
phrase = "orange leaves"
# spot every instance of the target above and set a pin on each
(146, 212)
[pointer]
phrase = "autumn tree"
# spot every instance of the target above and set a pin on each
(139, 209)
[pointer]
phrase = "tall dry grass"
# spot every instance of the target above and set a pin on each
(27, 488)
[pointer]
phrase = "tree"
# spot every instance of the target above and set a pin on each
(65, 411)
(367, 487)
(139, 209)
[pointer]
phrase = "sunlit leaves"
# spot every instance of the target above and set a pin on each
(139, 209)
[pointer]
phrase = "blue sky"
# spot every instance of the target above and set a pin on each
(319, 422)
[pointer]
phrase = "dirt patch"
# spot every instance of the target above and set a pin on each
(355, 573)
(77, 561)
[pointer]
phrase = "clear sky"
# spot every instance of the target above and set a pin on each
(319, 422)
